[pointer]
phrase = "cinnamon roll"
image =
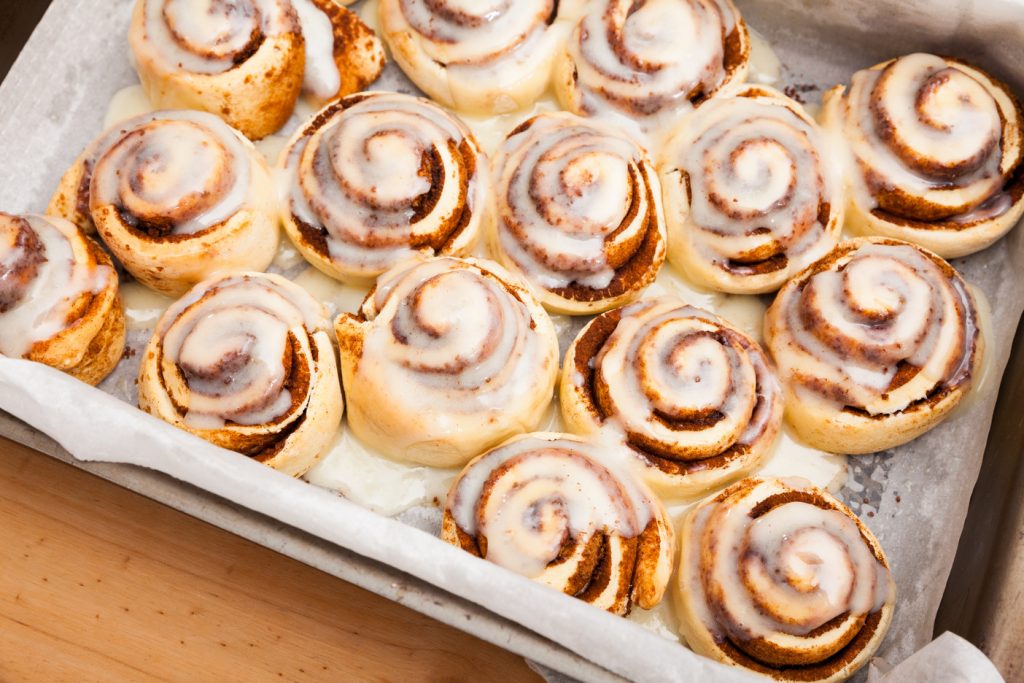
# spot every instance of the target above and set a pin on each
(781, 578)
(934, 153)
(579, 213)
(876, 344)
(695, 399)
(247, 61)
(377, 177)
(552, 508)
(177, 196)
(650, 62)
(752, 196)
(245, 361)
(59, 302)
(487, 57)
(446, 358)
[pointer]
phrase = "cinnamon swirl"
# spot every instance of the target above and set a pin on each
(752, 196)
(486, 57)
(59, 302)
(876, 344)
(247, 61)
(245, 361)
(647, 63)
(446, 358)
(934, 153)
(177, 196)
(694, 398)
(377, 177)
(549, 507)
(781, 578)
(579, 213)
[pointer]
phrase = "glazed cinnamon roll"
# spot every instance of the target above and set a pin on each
(245, 361)
(876, 344)
(247, 61)
(59, 302)
(934, 153)
(752, 196)
(579, 213)
(447, 358)
(781, 578)
(487, 57)
(651, 62)
(177, 196)
(695, 399)
(550, 507)
(377, 177)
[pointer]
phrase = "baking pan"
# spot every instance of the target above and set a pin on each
(983, 611)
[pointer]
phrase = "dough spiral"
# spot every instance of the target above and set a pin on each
(752, 194)
(876, 344)
(645, 64)
(377, 177)
(245, 361)
(247, 61)
(484, 57)
(547, 506)
(176, 196)
(447, 358)
(579, 213)
(694, 398)
(781, 578)
(934, 151)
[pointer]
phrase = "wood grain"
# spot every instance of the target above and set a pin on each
(99, 583)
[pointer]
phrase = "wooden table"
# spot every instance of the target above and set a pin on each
(99, 583)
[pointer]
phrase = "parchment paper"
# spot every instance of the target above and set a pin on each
(914, 498)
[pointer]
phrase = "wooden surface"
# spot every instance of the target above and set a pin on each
(99, 583)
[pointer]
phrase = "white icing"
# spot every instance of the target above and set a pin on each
(127, 103)
(172, 161)
(321, 78)
(338, 297)
(789, 457)
(890, 304)
(48, 299)
(491, 131)
(765, 65)
(564, 188)
(747, 177)
(205, 36)
(679, 41)
(239, 327)
(142, 306)
(358, 176)
(385, 486)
